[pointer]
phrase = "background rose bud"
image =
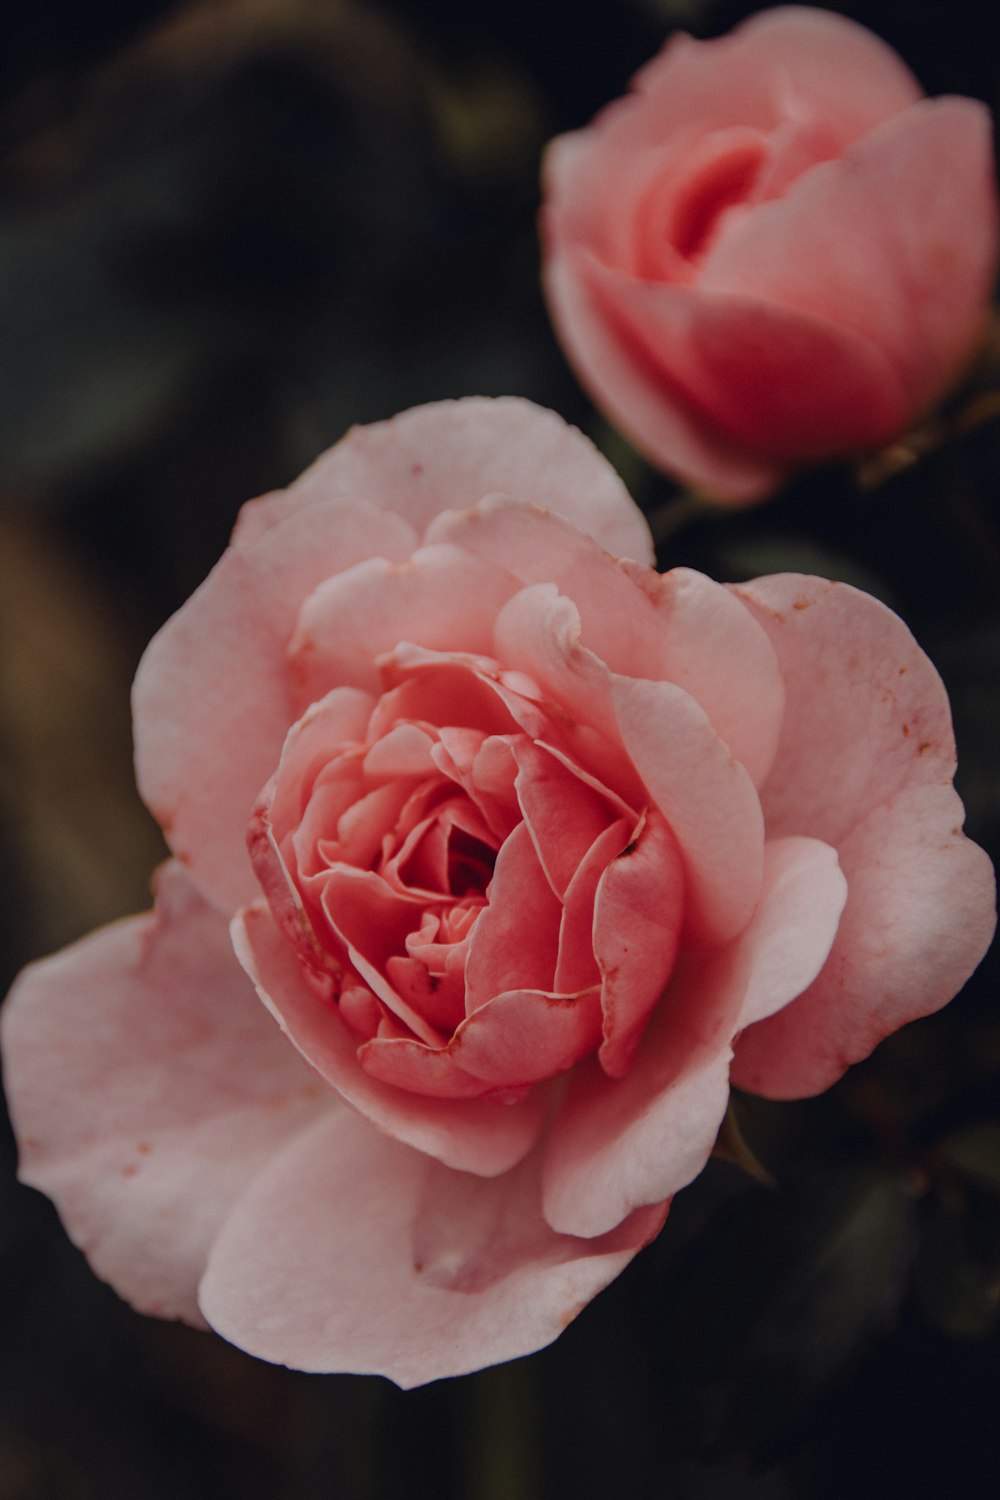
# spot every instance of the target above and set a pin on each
(527, 850)
(774, 250)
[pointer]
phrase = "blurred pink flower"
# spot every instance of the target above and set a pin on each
(774, 250)
(544, 847)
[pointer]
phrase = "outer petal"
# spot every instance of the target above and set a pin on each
(658, 416)
(448, 455)
(471, 1135)
(786, 382)
(865, 712)
(148, 1086)
(212, 701)
(619, 1143)
(919, 917)
(357, 1254)
(865, 762)
(915, 280)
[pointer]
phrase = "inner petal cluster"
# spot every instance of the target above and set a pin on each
(458, 888)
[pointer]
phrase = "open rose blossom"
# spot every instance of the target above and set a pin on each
(527, 851)
(774, 250)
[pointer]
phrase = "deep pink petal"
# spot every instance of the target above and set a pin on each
(147, 1086)
(722, 657)
(471, 1136)
(562, 813)
(408, 1064)
(525, 1036)
(211, 700)
(619, 1143)
(658, 416)
(450, 454)
(576, 966)
(914, 281)
(638, 912)
(357, 1254)
(784, 381)
(515, 941)
(920, 915)
(441, 597)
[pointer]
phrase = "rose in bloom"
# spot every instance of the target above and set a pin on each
(527, 851)
(774, 250)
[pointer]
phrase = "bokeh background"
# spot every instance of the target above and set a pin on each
(228, 230)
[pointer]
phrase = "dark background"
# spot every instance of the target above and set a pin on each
(227, 231)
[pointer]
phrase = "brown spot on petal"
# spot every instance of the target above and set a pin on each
(144, 1148)
(906, 731)
(130, 1170)
(924, 746)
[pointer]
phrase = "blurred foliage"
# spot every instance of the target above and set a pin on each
(228, 230)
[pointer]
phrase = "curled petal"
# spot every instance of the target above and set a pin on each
(525, 1036)
(638, 913)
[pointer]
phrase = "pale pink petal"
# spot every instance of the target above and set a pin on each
(806, 893)
(620, 1143)
(920, 914)
(913, 280)
(355, 1253)
(681, 626)
(788, 63)
(212, 702)
(441, 597)
(617, 620)
(706, 796)
(469, 1135)
(450, 454)
(148, 1085)
(865, 712)
(638, 912)
(722, 657)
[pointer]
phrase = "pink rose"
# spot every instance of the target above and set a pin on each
(774, 250)
(544, 847)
